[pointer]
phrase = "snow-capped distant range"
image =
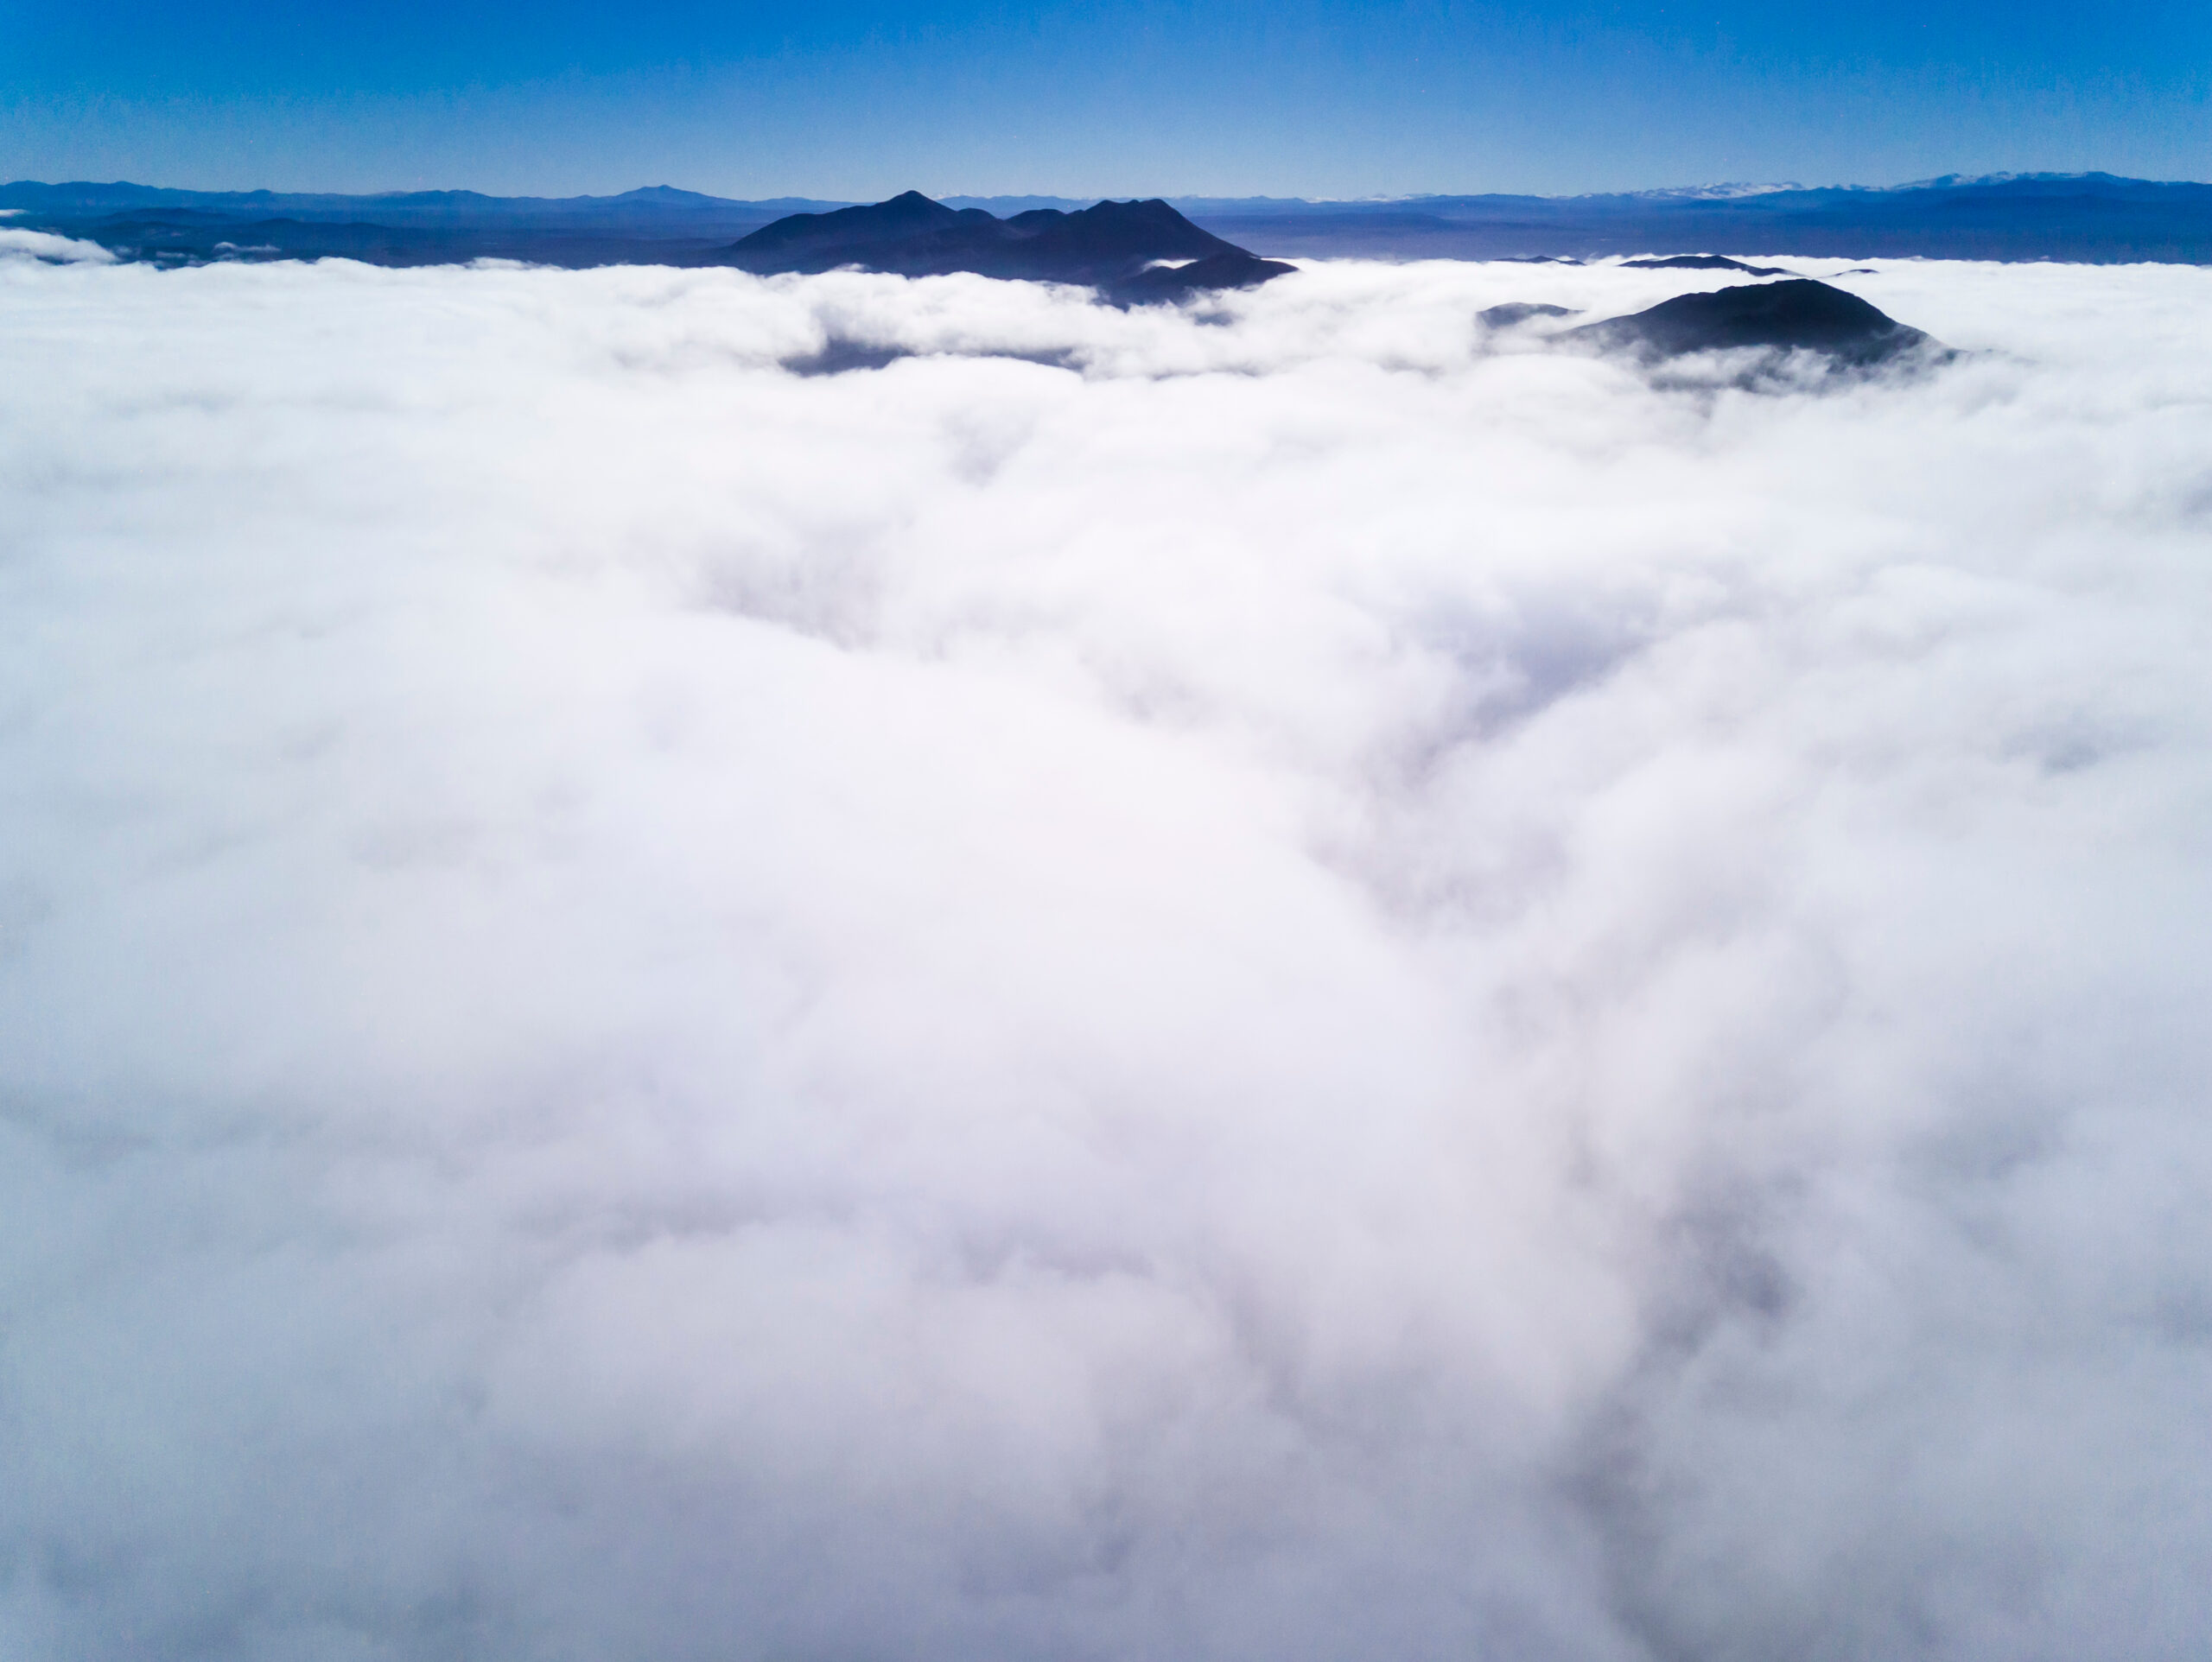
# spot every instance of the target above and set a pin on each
(1946, 181)
(2095, 217)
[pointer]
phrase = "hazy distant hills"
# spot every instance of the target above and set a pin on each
(2088, 217)
(656, 225)
(658, 207)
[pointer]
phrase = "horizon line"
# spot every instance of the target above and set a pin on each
(1717, 190)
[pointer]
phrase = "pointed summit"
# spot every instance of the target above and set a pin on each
(822, 242)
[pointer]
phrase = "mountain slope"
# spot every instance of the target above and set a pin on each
(1796, 315)
(1142, 249)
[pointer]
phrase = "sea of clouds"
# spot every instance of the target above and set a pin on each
(852, 970)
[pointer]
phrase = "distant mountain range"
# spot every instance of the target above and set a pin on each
(660, 207)
(2088, 217)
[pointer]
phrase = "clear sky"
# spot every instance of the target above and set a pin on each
(857, 98)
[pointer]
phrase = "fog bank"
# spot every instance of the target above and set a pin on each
(1287, 981)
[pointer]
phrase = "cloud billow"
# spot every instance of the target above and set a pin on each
(1291, 979)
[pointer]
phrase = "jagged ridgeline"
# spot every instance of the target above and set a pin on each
(1131, 250)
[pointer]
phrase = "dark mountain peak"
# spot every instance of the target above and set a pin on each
(1800, 313)
(1705, 263)
(1146, 210)
(1515, 313)
(1130, 231)
(1152, 222)
(906, 214)
(1144, 247)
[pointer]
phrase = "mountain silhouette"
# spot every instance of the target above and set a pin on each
(822, 242)
(1133, 251)
(1798, 314)
(1704, 263)
(1515, 313)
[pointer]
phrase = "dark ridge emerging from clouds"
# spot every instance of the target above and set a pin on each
(1133, 250)
(1795, 315)
(1704, 263)
(1515, 312)
(2092, 217)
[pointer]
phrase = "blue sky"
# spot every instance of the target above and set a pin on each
(1293, 99)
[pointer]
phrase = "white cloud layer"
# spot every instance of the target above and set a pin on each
(17, 244)
(1278, 984)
